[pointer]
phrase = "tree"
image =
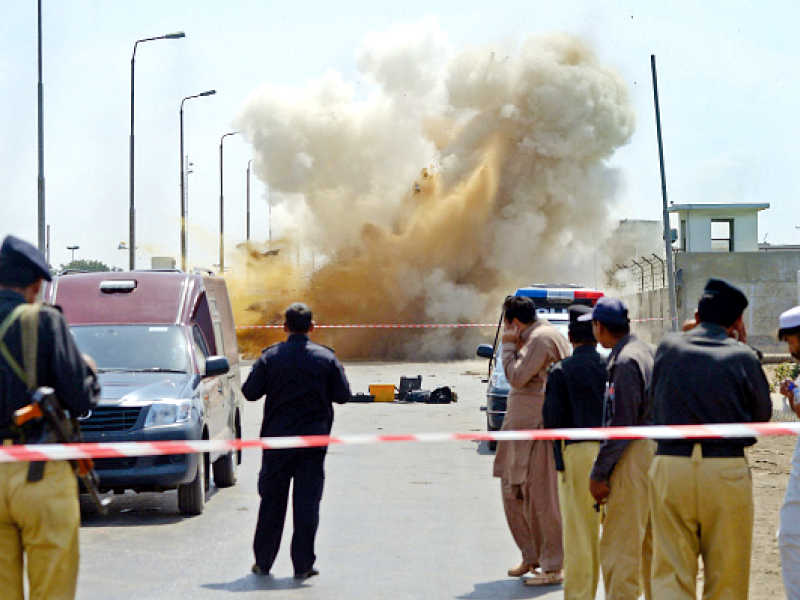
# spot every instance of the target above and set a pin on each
(85, 265)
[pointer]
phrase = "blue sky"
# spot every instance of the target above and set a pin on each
(728, 74)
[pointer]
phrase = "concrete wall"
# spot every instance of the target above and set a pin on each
(649, 313)
(769, 279)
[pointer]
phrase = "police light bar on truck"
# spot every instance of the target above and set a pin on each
(559, 295)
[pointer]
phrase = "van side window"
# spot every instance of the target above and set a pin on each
(200, 348)
(202, 319)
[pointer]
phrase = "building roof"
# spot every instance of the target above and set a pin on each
(719, 207)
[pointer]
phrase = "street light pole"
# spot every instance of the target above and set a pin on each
(221, 205)
(248, 198)
(72, 249)
(42, 219)
(132, 215)
(188, 170)
(183, 182)
(673, 302)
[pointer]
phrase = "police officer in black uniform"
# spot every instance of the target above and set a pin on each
(574, 398)
(701, 493)
(301, 380)
(38, 519)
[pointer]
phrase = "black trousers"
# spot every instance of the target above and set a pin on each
(278, 468)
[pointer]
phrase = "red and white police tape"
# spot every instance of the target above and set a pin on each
(410, 325)
(379, 326)
(42, 452)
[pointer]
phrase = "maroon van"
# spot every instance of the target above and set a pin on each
(168, 361)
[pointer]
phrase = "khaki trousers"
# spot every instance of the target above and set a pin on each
(40, 521)
(532, 511)
(581, 522)
(626, 545)
(701, 507)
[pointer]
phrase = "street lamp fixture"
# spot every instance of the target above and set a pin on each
(183, 181)
(221, 204)
(72, 249)
(132, 217)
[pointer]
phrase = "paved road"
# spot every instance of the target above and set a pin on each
(399, 521)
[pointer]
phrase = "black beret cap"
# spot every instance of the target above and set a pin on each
(578, 310)
(22, 263)
(721, 303)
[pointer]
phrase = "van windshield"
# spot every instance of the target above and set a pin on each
(134, 347)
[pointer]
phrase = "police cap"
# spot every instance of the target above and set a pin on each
(580, 329)
(22, 263)
(608, 311)
(578, 310)
(721, 303)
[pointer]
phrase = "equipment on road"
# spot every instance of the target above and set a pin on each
(408, 384)
(382, 392)
(408, 392)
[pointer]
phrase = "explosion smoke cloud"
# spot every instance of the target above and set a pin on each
(464, 174)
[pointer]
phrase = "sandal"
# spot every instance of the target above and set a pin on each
(545, 578)
(521, 569)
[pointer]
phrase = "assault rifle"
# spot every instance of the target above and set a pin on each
(61, 429)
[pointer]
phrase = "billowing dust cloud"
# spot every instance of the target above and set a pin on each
(431, 188)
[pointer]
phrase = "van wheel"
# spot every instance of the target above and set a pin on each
(225, 470)
(192, 495)
(238, 437)
(492, 444)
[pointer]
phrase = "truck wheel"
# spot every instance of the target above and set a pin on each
(225, 470)
(192, 495)
(492, 445)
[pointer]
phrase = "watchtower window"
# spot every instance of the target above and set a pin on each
(683, 235)
(722, 235)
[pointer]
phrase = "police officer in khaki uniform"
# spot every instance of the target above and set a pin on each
(702, 494)
(574, 398)
(619, 475)
(39, 520)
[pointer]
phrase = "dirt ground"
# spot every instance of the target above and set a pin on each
(770, 464)
(770, 461)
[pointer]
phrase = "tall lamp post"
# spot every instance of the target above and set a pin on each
(72, 249)
(221, 205)
(183, 182)
(248, 198)
(132, 217)
(40, 182)
(187, 168)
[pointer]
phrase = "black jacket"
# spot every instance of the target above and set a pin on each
(59, 364)
(574, 393)
(630, 367)
(704, 376)
(301, 380)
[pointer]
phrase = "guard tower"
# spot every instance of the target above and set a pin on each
(718, 227)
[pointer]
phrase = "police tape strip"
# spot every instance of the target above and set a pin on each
(379, 326)
(44, 452)
(411, 325)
